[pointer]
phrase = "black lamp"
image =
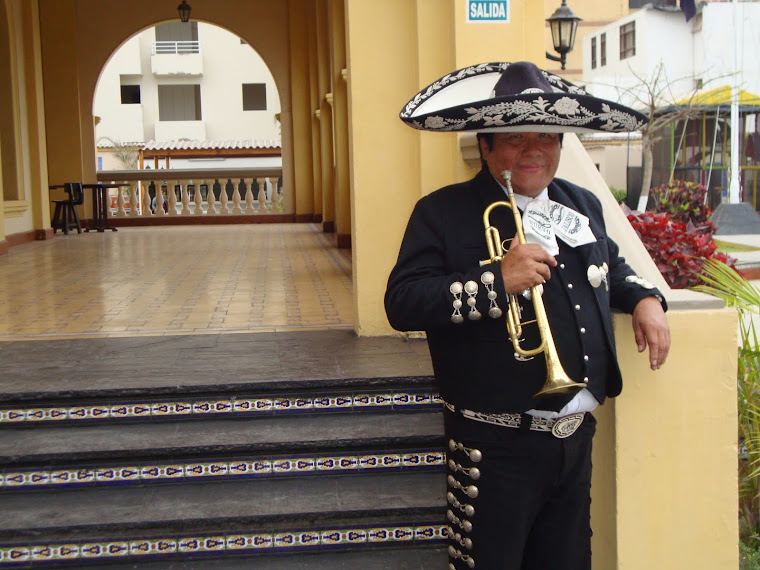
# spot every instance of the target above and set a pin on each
(184, 11)
(563, 24)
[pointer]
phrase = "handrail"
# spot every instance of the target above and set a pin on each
(193, 174)
(176, 47)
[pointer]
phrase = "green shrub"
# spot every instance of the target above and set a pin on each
(619, 194)
(684, 201)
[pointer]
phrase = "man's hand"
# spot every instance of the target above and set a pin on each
(524, 266)
(650, 327)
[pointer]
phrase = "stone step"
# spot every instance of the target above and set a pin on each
(426, 557)
(203, 364)
(58, 445)
(290, 450)
(57, 457)
(243, 517)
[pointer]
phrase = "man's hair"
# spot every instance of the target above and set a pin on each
(488, 137)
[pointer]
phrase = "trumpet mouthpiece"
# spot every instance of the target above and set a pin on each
(506, 175)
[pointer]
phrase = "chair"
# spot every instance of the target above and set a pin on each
(65, 216)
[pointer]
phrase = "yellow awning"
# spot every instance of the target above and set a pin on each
(721, 96)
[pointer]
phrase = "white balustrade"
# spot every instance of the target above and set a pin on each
(211, 198)
(120, 210)
(224, 198)
(184, 192)
(190, 193)
(236, 200)
(134, 199)
(198, 200)
(146, 200)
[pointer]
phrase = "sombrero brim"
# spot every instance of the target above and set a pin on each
(463, 101)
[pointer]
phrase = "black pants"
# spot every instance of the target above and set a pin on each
(532, 510)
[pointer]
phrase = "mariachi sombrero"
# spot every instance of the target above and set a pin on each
(494, 97)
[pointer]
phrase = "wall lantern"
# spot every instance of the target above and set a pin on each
(184, 11)
(563, 24)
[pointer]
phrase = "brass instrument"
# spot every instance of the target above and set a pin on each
(557, 381)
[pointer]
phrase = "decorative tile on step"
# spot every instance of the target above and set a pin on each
(246, 407)
(13, 555)
(421, 459)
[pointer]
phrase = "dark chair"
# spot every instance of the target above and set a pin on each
(65, 216)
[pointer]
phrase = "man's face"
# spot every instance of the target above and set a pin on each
(532, 158)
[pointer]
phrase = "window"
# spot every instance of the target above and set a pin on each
(130, 94)
(628, 40)
(603, 50)
(179, 102)
(254, 97)
(177, 32)
(593, 53)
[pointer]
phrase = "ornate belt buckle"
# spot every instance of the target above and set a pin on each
(565, 427)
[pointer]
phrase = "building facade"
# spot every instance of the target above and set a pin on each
(665, 456)
(185, 82)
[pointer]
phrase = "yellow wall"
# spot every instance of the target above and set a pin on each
(665, 485)
(22, 126)
(302, 112)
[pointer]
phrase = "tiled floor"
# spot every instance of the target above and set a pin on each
(176, 280)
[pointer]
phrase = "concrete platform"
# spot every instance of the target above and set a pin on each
(41, 369)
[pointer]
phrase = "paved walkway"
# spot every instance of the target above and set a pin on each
(176, 280)
(747, 259)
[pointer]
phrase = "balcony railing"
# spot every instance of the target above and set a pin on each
(156, 194)
(178, 47)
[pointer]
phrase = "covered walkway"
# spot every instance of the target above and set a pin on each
(176, 280)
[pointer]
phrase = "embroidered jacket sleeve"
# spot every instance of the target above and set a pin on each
(419, 295)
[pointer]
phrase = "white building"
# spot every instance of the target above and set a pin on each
(180, 82)
(715, 49)
(704, 52)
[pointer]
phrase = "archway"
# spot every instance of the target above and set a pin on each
(191, 87)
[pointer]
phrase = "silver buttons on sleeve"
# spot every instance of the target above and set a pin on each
(494, 311)
(639, 281)
(471, 288)
(456, 289)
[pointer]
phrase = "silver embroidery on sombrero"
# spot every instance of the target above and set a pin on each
(564, 112)
(539, 112)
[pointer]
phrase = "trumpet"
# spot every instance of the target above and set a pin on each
(557, 381)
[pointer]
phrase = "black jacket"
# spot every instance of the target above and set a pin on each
(474, 362)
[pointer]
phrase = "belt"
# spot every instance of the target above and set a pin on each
(561, 427)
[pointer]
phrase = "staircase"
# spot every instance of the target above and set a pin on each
(290, 450)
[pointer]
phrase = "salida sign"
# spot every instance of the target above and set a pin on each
(487, 11)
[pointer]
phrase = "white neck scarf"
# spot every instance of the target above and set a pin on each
(544, 220)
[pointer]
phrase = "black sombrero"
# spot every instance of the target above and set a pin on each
(498, 97)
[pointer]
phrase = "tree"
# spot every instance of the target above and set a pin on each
(664, 103)
(124, 153)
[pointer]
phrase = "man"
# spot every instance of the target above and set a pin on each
(519, 465)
